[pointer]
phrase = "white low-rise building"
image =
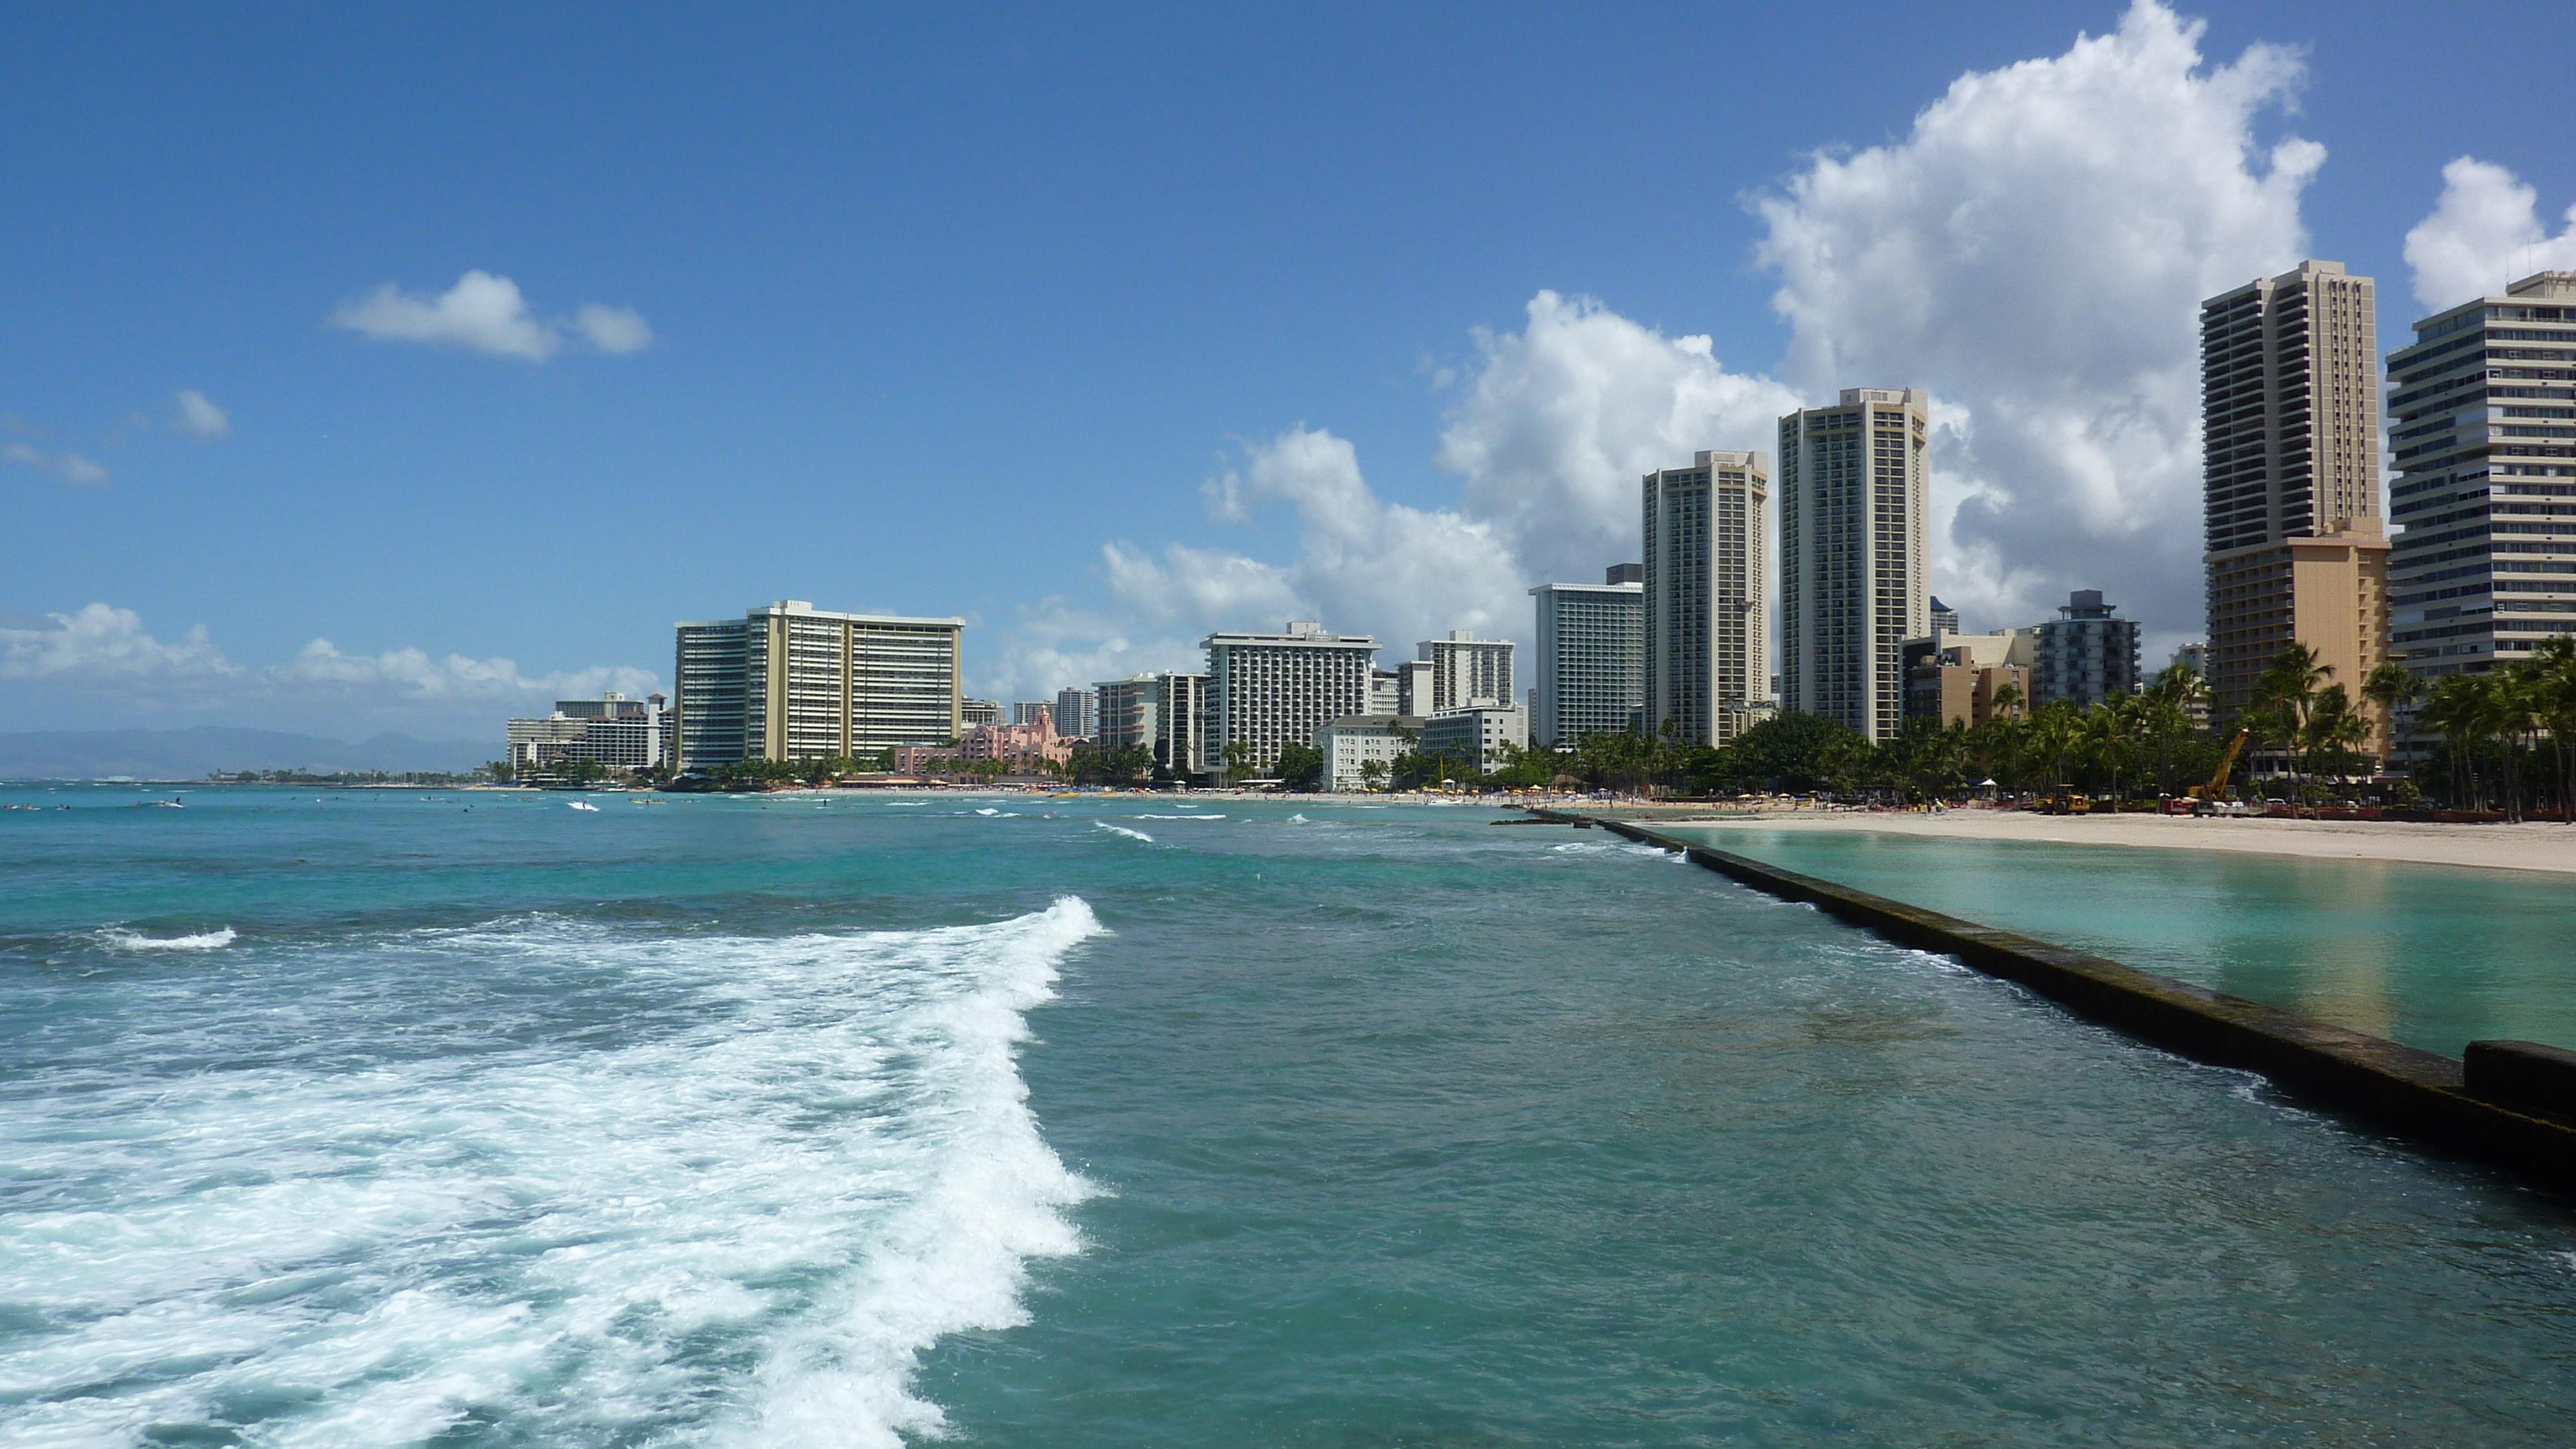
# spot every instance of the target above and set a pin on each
(620, 733)
(1348, 744)
(1478, 735)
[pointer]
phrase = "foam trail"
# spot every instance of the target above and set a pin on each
(1180, 817)
(1123, 830)
(123, 940)
(738, 1219)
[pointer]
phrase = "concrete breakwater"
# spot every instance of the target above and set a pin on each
(2508, 1104)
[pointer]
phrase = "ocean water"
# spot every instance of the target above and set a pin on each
(2434, 956)
(360, 1119)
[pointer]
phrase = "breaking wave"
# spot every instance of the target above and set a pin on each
(732, 1204)
(117, 939)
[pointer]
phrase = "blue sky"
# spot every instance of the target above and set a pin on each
(941, 304)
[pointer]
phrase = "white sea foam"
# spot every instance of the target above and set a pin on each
(1123, 830)
(1299, 819)
(122, 940)
(1180, 817)
(820, 1145)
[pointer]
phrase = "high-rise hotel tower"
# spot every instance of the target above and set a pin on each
(1591, 657)
(2289, 382)
(788, 681)
(1266, 692)
(1855, 495)
(2484, 568)
(1707, 630)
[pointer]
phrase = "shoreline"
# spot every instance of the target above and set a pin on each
(2530, 848)
(2511, 1104)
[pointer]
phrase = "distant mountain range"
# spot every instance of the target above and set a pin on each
(191, 753)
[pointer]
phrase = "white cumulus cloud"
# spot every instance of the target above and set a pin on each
(2034, 251)
(1562, 419)
(100, 642)
(417, 674)
(100, 664)
(198, 417)
(1362, 565)
(70, 467)
(487, 313)
(2483, 235)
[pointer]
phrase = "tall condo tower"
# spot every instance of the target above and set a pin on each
(1162, 714)
(1466, 670)
(788, 681)
(1077, 712)
(1855, 493)
(2485, 404)
(1269, 691)
(1591, 657)
(1707, 631)
(2289, 383)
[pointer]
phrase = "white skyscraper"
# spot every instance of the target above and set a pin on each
(1591, 658)
(1854, 504)
(2483, 410)
(1269, 691)
(1466, 670)
(1706, 628)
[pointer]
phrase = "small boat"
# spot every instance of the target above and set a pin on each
(583, 805)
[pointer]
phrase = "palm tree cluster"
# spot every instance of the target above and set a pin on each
(2129, 746)
(2501, 739)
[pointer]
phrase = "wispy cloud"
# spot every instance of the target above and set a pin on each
(614, 330)
(488, 314)
(199, 418)
(70, 467)
(101, 662)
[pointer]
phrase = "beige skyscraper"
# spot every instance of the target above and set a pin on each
(2293, 541)
(1855, 495)
(788, 681)
(1707, 633)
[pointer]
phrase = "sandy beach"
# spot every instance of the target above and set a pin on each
(2549, 848)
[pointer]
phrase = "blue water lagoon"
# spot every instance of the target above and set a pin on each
(2433, 956)
(470, 1119)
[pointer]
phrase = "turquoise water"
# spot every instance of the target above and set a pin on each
(369, 1119)
(2434, 956)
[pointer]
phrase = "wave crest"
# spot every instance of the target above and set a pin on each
(116, 938)
(737, 1213)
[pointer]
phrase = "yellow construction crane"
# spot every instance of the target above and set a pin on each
(2217, 785)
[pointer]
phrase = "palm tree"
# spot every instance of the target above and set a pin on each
(2288, 688)
(2106, 730)
(2392, 687)
(2514, 710)
(2554, 677)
